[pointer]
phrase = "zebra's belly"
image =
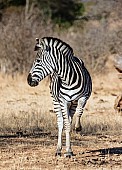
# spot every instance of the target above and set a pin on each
(70, 95)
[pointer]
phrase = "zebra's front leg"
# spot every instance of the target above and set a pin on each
(79, 112)
(59, 115)
(60, 129)
(69, 151)
(67, 126)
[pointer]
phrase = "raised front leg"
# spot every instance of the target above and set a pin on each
(59, 115)
(79, 112)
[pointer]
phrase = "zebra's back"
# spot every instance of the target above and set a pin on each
(80, 84)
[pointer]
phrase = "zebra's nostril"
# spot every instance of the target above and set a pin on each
(31, 82)
(29, 78)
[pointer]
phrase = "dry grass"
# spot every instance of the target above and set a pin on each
(30, 110)
(23, 108)
(28, 113)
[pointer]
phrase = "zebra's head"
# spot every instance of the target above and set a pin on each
(43, 65)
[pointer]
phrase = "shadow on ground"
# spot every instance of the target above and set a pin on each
(115, 150)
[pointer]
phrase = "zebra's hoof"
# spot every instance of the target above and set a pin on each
(78, 129)
(68, 154)
(58, 153)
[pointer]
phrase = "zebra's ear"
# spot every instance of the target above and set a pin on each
(37, 46)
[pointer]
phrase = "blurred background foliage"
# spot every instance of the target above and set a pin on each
(92, 28)
(7, 3)
(61, 12)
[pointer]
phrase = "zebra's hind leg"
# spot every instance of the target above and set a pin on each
(79, 112)
(59, 115)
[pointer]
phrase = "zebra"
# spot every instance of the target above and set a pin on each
(70, 85)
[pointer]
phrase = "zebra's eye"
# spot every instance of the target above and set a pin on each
(38, 60)
(47, 48)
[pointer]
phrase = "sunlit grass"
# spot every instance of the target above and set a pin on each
(37, 121)
(30, 110)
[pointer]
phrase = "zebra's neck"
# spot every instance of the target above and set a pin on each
(65, 68)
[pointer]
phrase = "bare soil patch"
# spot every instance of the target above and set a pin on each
(38, 153)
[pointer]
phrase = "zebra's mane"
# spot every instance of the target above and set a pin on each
(56, 39)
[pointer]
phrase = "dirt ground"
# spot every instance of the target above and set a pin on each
(95, 148)
(92, 152)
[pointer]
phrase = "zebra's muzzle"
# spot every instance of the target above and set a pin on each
(31, 82)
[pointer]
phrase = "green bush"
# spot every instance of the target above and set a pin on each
(62, 12)
(7, 3)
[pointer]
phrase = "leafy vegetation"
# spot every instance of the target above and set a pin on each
(7, 3)
(61, 12)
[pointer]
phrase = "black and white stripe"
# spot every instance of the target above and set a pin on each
(70, 86)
